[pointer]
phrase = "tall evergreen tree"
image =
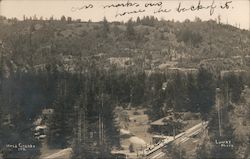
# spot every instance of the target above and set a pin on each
(206, 88)
(82, 142)
(219, 151)
(130, 31)
(60, 127)
(179, 92)
(105, 28)
(192, 93)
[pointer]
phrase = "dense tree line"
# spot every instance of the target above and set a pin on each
(21, 99)
(84, 102)
(224, 118)
(94, 93)
(185, 92)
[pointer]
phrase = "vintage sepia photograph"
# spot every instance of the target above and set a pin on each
(124, 79)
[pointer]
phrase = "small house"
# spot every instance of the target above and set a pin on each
(169, 126)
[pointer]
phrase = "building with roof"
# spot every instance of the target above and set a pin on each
(169, 125)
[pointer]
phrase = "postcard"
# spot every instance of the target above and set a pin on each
(116, 79)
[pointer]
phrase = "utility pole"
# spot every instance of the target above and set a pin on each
(0, 8)
(101, 125)
(210, 37)
(218, 108)
(85, 111)
(79, 124)
(174, 131)
(180, 149)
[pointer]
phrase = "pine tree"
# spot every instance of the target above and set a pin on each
(130, 31)
(206, 89)
(217, 150)
(60, 124)
(138, 20)
(105, 28)
(236, 86)
(179, 92)
(192, 93)
(112, 130)
(63, 18)
(82, 143)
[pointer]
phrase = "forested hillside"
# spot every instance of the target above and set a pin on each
(84, 70)
(145, 43)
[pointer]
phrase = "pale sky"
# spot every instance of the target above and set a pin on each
(237, 13)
